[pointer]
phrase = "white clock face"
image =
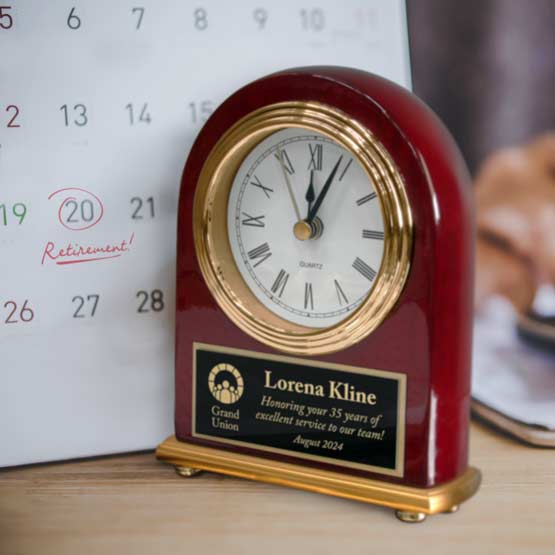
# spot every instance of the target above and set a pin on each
(318, 278)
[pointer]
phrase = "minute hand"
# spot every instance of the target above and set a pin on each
(324, 191)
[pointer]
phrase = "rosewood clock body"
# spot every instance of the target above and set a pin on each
(427, 335)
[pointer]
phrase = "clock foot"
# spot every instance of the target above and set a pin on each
(187, 471)
(410, 516)
(453, 509)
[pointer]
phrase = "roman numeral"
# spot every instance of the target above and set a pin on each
(253, 221)
(363, 268)
(261, 252)
(266, 190)
(286, 161)
(370, 234)
(365, 199)
(345, 170)
(316, 155)
(341, 297)
(280, 283)
(308, 297)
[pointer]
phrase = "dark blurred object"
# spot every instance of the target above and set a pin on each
(487, 68)
(538, 330)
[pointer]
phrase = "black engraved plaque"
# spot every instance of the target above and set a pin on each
(342, 415)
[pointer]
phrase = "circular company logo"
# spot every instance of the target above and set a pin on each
(226, 383)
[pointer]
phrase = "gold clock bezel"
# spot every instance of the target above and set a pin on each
(213, 248)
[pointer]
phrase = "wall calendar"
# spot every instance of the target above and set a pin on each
(99, 105)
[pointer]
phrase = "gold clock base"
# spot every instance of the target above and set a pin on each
(411, 504)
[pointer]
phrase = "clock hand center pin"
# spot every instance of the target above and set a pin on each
(312, 227)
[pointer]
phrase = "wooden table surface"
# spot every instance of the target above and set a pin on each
(135, 504)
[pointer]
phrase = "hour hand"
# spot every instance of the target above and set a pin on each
(314, 210)
(310, 195)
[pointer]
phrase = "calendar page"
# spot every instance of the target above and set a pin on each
(100, 102)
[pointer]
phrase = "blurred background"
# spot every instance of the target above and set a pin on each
(487, 68)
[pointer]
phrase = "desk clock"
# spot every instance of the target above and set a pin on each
(324, 295)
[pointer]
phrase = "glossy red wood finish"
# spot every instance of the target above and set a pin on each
(428, 334)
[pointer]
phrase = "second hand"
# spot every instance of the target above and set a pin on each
(288, 183)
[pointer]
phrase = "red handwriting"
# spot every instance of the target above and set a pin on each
(75, 253)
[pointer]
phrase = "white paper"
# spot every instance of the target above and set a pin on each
(99, 104)
(508, 375)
